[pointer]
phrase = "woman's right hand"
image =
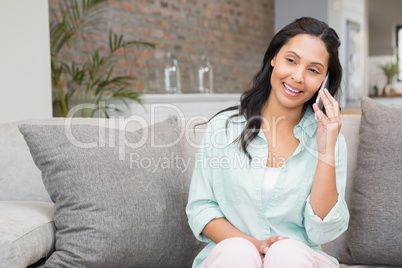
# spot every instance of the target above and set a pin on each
(263, 245)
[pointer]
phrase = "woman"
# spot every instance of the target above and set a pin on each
(268, 184)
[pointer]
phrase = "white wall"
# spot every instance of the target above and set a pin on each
(25, 81)
(341, 11)
(384, 15)
(287, 11)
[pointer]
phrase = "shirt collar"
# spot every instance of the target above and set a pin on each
(237, 119)
(308, 122)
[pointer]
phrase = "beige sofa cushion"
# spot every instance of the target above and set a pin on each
(20, 179)
(26, 232)
(350, 129)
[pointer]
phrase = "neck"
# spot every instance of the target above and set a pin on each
(281, 116)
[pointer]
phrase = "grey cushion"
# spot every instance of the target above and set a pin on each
(26, 232)
(20, 179)
(375, 232)
(117, 204)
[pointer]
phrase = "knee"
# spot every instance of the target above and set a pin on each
(289, 253)
(238, 246)
(285, 245)
(236, 252)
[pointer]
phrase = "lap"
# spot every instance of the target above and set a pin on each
(233, 252)
(294, 253)
(239, 252)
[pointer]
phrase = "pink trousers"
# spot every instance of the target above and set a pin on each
(239, 252)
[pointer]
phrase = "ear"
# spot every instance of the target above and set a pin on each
(273, 61)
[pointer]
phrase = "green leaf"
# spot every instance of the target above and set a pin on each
(89, 80)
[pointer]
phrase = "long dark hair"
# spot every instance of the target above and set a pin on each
(252, 100)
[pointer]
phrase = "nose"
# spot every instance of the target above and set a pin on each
(298, 75)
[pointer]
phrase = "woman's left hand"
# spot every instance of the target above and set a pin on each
(328, 126)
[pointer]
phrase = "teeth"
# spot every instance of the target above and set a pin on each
(291, 90)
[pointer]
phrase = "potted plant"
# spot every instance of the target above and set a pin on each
(390, 70)
(93, 80)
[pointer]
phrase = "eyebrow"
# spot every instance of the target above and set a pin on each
(319, 63)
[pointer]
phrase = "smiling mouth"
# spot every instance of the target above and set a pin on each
(290, 89)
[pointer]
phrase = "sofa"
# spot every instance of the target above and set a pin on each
(34, 226)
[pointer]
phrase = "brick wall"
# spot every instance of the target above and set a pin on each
(233, 34)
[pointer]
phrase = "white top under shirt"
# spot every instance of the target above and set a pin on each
(268, 183)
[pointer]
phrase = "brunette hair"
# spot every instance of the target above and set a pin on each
(252, 100)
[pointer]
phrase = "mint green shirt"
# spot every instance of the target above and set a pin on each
(226, 185)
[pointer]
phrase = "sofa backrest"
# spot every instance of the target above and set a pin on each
(350, 129)
(20, 179)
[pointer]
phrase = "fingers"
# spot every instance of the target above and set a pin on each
(330, 104)
(274, 239)
(318, 113)
(265, 244)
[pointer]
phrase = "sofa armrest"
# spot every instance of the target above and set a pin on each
(27, 232)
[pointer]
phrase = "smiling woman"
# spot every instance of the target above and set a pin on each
(301, 66)
(256, 216)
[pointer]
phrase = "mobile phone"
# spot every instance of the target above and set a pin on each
(324, 84)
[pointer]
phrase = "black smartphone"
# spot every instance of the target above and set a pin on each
(324, 84)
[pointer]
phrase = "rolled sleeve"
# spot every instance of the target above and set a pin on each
(337, 220)
(202, 206)
(198, 220)
(333, 225)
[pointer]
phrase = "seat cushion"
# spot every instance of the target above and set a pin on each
(375, 231)
(119, 196)
(26, 232)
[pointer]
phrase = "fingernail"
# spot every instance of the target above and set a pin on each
(326, 90)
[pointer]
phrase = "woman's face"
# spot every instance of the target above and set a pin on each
(299, 69)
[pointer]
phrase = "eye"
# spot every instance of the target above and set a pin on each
(291, 60)
(314, 70)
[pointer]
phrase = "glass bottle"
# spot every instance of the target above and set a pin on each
(204, 76)
(171, 81)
